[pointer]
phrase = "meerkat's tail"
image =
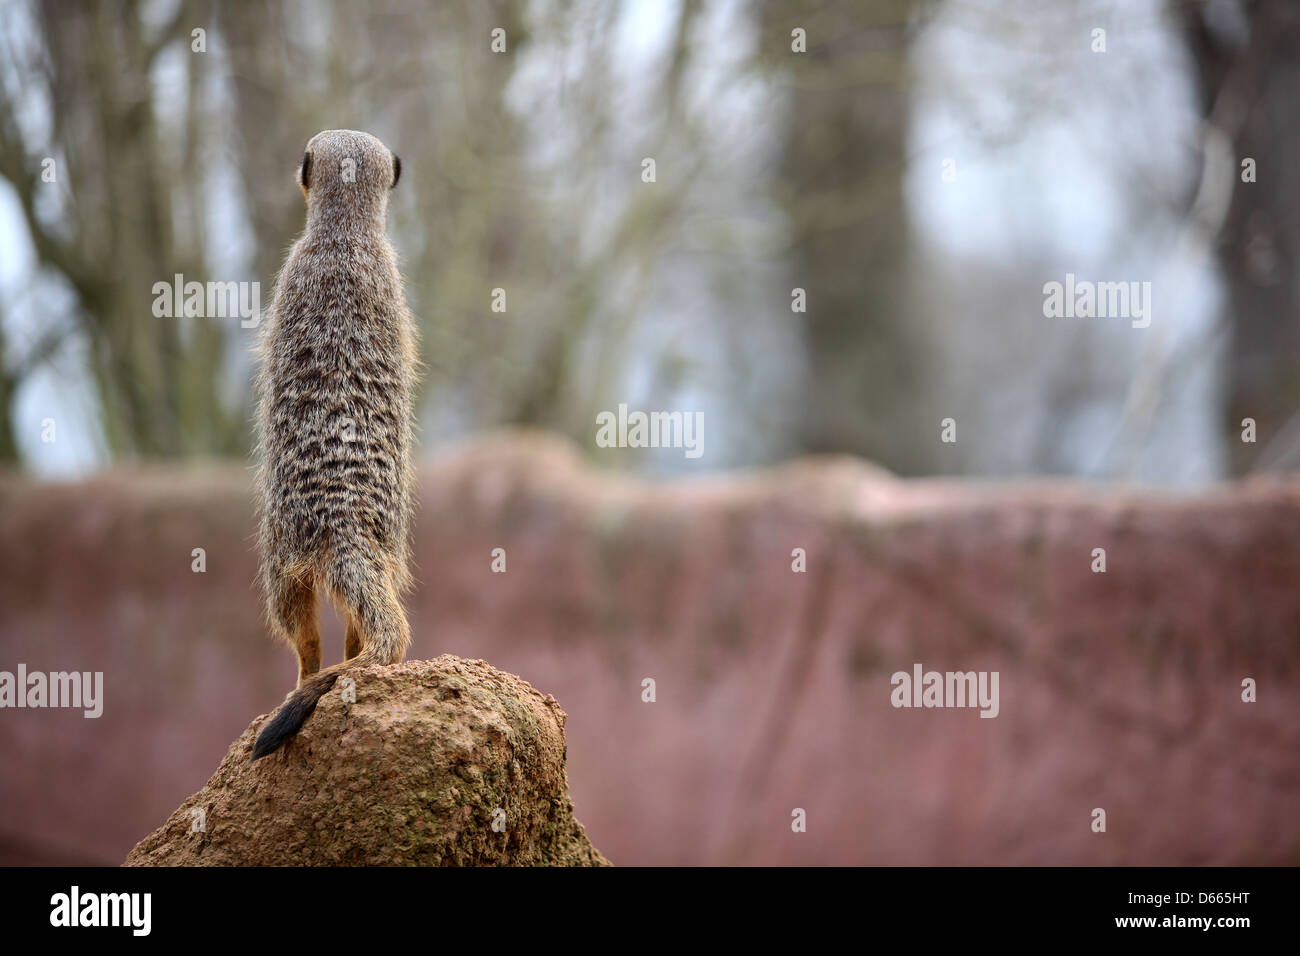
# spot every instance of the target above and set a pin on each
(302, 703)
(290, 718)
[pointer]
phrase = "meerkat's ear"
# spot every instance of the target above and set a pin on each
(397, 171)
(304, 172)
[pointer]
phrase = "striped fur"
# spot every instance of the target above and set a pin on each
(337, 370)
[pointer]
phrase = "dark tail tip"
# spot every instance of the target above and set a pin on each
(291, 716)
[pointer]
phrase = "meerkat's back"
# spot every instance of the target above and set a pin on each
(335, 480)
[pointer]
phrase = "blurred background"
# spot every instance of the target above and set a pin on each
(854, 211)
(921, 171)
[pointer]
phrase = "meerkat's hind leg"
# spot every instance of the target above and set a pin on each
(352, 644)
(293, 610)
(365, 585)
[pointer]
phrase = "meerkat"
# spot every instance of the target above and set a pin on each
(335, 481)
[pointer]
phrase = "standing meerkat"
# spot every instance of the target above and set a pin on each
(335, 481)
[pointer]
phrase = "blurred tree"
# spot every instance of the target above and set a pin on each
(145, 149)
(841, 185)
(1246, 60)
(123, 225)
(156, 144)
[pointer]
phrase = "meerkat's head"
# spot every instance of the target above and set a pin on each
(348, 172)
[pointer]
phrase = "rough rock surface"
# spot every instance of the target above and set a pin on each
(413, 772)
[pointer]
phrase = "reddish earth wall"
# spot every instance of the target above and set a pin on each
(1119, 690)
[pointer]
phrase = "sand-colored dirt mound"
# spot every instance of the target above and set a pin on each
(448, 762)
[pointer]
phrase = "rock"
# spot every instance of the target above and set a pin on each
(413, 773)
